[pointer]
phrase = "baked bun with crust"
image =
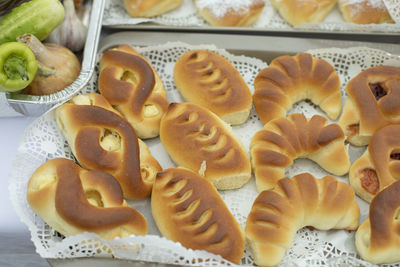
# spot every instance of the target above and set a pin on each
(150, 8)
(102, 140)
(379, 166)
(297, 12)
(73, 200)
(281, 141)
(129, 82)
(198, 139)
(276, 215)
(210, 80)
(290, 79)
(188, 209)
(378, 238)
(373, 102)
(364, 11)
(230, 13)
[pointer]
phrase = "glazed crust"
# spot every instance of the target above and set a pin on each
(294, 203)
(290, 79)
(188, 209)
(209, 80)
(73, 200)
(150, 8)
(129, 82)
(194, 136)
(275, 147)
(102, 140)
(378, 238)
(364, 12)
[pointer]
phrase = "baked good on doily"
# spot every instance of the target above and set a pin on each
(274, 148)
(129, 82)
(73, 200)
(150, 8)
(233, 13)
(297, 12)
(210, 80)
(198, 139)
(364, 11)
(290, 79)
(102, 140)
(378, 238)
(379, 166)
(188, 209)
(373, 102)
(294, 203)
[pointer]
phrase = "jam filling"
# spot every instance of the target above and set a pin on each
(369, 180)
(352, 130)
(378, 90)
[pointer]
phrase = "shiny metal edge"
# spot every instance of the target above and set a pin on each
(36, 105)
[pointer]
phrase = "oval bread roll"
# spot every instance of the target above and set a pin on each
(209, 80)
(194, 137)
(188, 209)
(102, 140)
(73, 200)
(150, 8)
(276, 215)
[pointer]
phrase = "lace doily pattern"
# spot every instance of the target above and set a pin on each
(42, 140)
(186, 15)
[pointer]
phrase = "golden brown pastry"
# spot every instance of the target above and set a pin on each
(129, 82)
(379, 166)
(378, 238)
(188, 209)
(275, 147)
(73, 200)
(210, 80)
(294, 203)
(102, 140)
(373, 102)
(297, 12)
(364, 11)
(150, 8)
(290, 79)
(230, 13)
(199, 140)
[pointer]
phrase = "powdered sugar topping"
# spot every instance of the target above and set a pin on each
(372, 3)
(220, 7)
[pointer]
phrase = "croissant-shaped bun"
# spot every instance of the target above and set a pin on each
(73, 200)
(378, 238)
(211, 81)
(274, 148)
(188, 209)
(379, 166)
(373, 102)
(294, 203)
(129, 82)
(102, 140)
(290, 79)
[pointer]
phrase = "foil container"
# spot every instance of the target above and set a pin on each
(14, 104)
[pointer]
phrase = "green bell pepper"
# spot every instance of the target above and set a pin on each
(18, 66)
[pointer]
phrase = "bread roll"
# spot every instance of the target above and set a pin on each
(150, 8)
(364, 11)
(379, 166)
(73, 200)
(297, 12)
(230, 13)
(196, 138)
(275, 147)
(209, 80)
(373, 102)
(294, 203)
(102, 140)
(378, 238)
(129, 82)
(290, 79)
(188, 209)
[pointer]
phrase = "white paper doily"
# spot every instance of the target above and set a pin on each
(186, 15)
(42, 140)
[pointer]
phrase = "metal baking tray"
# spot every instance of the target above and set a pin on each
(35, 105)
(265, 48)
